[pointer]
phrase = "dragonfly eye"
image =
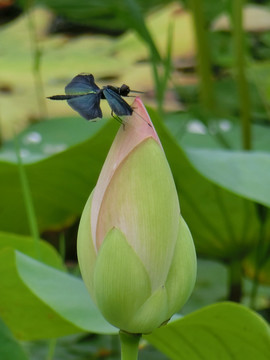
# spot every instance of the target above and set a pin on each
(124, 90)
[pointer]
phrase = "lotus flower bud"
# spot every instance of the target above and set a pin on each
(135, 251)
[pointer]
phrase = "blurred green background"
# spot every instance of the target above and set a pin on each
(204, 69)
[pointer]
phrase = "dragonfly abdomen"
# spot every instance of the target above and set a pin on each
(65, 97)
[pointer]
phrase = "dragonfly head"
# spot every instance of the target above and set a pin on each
(124, 90)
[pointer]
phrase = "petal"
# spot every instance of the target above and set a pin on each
(182, 274)
(128, 137)
(141, 201)
(151, 314)
(86, 251)
(120, 280)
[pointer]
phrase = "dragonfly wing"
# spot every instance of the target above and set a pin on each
(118, 105)
(82, 84)
(88, 106)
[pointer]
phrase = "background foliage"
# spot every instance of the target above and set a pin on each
(204, 69)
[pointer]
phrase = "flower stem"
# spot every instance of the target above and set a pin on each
(207, 95)
(129, 345)
(51, 351)
(235, 281)
(36, 59)
(261, 253)
(28, 199)
(240, 67)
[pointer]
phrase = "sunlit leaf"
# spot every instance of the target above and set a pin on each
(39, 302)
(64, 293)
(223, 225)
(244, 173)
(210, 287)
(62, 161)
(9, 347)
(222, 331)
(40, 250)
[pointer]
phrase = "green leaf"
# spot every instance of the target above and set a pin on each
(103, 15)
(38, 301)
(243, 173)
(189, 132)
(210, 287)
(9, 347)
(222, 331)
(62, 168)
(223, 225)
(40, 250)
(75, 347)
(250, 265)
(27, 316)
(64, 293)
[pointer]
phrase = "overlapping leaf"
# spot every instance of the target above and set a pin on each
(49, 302)
(9, 347)
(62, 160)
(223, 225)
(222, 331)
(243, 173)
(39, 249)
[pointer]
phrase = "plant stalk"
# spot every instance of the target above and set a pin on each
(235, 281)
(261, 253)
(129, 345)
(1, 135)
(51, 350)
(36, 66)
(28, 200)
(240, 66)
(207, 96)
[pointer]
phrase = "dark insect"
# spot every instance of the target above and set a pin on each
(84, 96)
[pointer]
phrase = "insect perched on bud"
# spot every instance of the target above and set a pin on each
(84, 96)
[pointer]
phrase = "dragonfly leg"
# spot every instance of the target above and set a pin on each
(117, 118)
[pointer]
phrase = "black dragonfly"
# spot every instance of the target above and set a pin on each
(84, 96)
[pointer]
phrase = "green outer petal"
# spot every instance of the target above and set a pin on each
(85, 247)
(182, 275)
(120, 280)
(141, 201)
(151, 314)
